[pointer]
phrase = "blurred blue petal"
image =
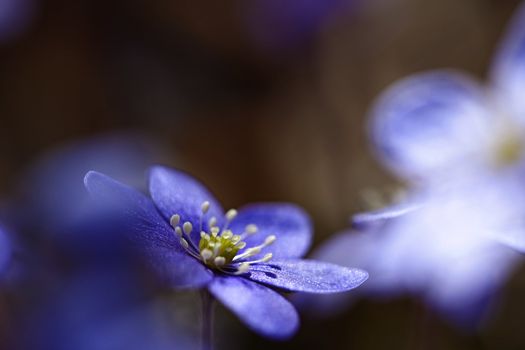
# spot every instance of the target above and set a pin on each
(260, 308)
(5, 250)
(288, 222)
(280, 28)
(308, 276)
(508, 71)
(430, 123)
(149, 232)
(97, 310)
(16, 17)
(52, 191)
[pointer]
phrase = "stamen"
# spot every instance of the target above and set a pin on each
(219, 261)
(184, 243)
(214, 231)
(187, 227)
(227, 234)
(251, 229)
(212, 222)
(205, 207)
(242, 268)
(269, 240)
(231, 214)
(174, 221)
(206, 254)
(178, 231)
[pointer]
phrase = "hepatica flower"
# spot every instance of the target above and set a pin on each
(461, 149)
(240, 257)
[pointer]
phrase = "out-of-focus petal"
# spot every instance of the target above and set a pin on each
(369, 219)
(289, 223)
(508, 71)
(5, 250)
(149, 232)
(308, 276)
(430, 123)
(175, 192)
(260, 308)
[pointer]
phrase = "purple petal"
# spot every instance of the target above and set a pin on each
(430, 123)
(260, 308)
(149, 232)
(308, 276)
(175, 192)
(288, 222)
(508, 72)
(5, 250)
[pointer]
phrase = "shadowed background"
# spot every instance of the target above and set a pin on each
(260, 100)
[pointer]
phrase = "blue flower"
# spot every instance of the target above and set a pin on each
(461, 149)
(5, 250)
(186, 237)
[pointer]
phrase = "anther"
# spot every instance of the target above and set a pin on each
(184, 243)
(231, 214)
(187, 227)
(219, 261)
(267, 257)
(241, 245)
(174, 220)
(227, 234)
(206, 254)
(205, 207)
(242, 268)
(178, 231)
(250, 229)
(212, 222)
(214, 231)
(269, 240)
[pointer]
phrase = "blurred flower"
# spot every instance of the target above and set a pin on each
(5, 250)
(51, 191)
(461, 149)
(15, 17)
(190, 242)
(96, 310)
(443, 252)
(442, 124)
(279, 27)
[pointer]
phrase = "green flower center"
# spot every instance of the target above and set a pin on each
(220, 249)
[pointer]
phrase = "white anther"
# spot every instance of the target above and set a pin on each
(205, 207)
(178, 231)
(206, 254)
(214, 231)
(219, 261)
(231, 214)
(243, 268)
(253, 251)
(175, 219)
(184, 243)
(187, 227)
(227, 234)
(241, 245)
(203, 234)
(267, 257)
(212, 222)
(269, 240)
(250, 229)
(236, 239)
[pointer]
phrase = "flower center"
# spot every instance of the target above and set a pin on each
(220, 249)
(509, 149)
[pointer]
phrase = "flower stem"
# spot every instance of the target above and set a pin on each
(207, 320)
